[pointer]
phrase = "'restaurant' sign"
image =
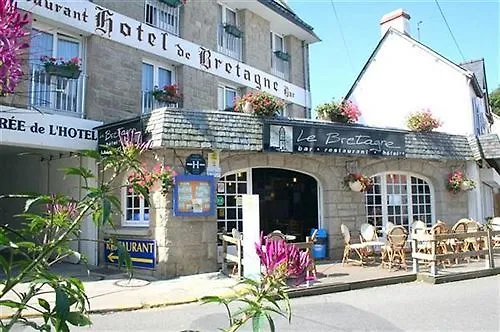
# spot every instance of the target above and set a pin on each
(109, 134)
(331, 139)
(95, 19)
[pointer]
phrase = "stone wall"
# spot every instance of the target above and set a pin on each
(339, 205)
(256, 40)
(113, 89)
(133, 9)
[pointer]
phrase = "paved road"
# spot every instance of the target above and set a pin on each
(472, 305)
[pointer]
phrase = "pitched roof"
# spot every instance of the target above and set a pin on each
(485, 146)
(474, 82)
(476, 67)
(437, 146)
(173, 128)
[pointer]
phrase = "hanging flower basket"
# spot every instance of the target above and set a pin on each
(59, 67)
(457, 181)
(358, 182)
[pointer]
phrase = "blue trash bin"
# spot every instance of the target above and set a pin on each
(321, 244)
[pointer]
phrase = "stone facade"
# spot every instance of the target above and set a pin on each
(256, 40)
(133, 9)
(187, 245)
(113, 84)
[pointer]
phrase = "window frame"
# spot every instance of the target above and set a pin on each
(156, 66)
(56, 35)
(409, 193)
(224, 9)
(226, 87)
(142, 206)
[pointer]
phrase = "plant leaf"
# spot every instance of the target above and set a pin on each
(62, 304)
(257, 321)
(11, 304)
(78, 319)
(44, 304)
(270, 320)
(80, 171)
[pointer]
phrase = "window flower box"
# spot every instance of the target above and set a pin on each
(59, 67)
(173, 3)
(168, 94)
(282, 55)
(233, 30)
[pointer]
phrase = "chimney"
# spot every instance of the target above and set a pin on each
(397, 19)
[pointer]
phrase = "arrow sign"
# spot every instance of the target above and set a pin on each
(142, 252)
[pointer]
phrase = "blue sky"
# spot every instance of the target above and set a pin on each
(475, 25)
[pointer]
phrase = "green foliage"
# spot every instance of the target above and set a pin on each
(261, 300)
(495, 101)
(49, 224)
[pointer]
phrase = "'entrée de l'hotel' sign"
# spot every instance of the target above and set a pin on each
(94, 19)
(330, 139)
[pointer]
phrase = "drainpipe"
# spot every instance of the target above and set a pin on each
(305, 61)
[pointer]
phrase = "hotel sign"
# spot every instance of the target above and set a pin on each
(20, 127)
(333, 139)
(94, 19)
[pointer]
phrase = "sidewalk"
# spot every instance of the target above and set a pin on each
(108, 290)
(111, 290)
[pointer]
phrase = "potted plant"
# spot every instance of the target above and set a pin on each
(358, 182)
(423, 121)
(458, 181)
(259, 103)
(344, 111)
(233, 30)
(168, 94)
(60, 67)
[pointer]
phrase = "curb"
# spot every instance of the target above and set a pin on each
(458, 276)
(343, 287)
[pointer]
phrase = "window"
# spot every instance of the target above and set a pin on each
(229, 208)
(135, 209)
(399, 198)
(279, 67)
(227, 43)
(162, 16)
(226, 97)
(153, 76)
(51, 91)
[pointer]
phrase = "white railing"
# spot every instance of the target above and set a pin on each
(149, 102)
(162, 16)
(55, 93)
(228, 44)
(279, 67)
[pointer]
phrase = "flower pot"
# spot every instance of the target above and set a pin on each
(356, 186)
(62, 71)
(248, 108)
(339, 118)
(465, 186)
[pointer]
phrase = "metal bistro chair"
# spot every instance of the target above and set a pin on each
(368, 236)
(460, 227)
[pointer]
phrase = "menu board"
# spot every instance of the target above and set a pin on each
(194, 195)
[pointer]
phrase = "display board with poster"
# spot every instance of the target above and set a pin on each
(194, 196)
